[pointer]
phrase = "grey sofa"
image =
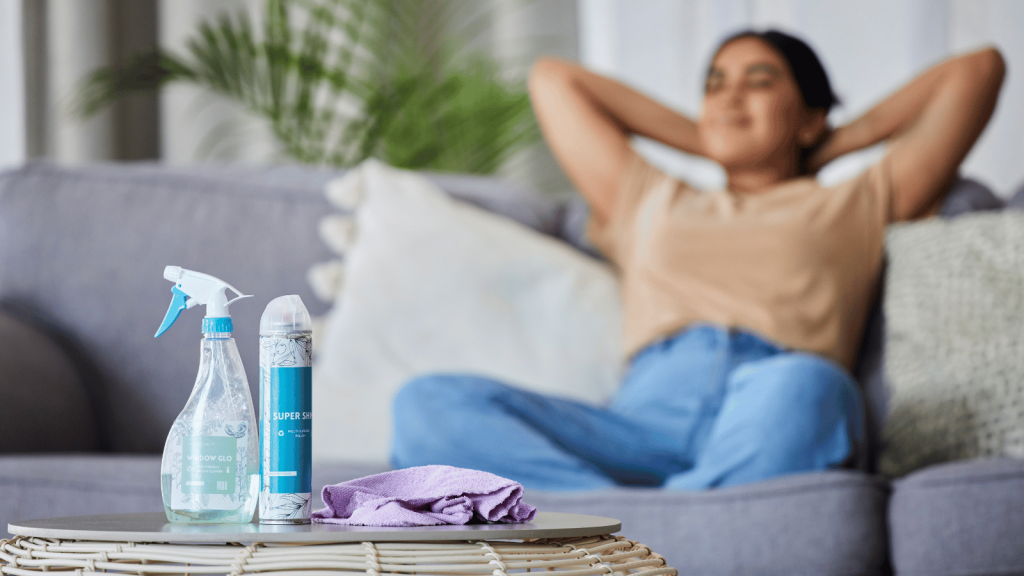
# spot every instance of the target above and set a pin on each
(87, 395)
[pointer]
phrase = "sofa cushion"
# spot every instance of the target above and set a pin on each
(823, 523)
(962, 519)
(44, 406)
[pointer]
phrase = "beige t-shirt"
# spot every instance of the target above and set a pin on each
(797, 264)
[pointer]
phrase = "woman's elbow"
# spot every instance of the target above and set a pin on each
(999, 64)
(988, 65)
(994, 62)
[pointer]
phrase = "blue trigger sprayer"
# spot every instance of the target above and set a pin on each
(210, 468)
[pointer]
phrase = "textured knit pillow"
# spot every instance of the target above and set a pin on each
(430, 284)
(954, 307)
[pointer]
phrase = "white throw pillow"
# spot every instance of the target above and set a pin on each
(431, 284)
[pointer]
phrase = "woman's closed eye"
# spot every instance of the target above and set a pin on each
(762, 76)
(760, 81)
(756, 76)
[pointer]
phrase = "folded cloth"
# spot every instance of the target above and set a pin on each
(424, 496)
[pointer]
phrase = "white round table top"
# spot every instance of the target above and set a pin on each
(154, 527)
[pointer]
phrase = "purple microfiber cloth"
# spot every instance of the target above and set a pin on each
(424, 496)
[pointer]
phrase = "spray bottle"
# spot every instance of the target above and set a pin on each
(210, 468)
(286, 412)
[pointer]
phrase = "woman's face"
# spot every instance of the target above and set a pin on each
(753, 114)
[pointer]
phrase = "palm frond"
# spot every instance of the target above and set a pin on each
(144, 72)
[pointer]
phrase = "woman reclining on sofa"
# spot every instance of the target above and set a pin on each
(743, 307)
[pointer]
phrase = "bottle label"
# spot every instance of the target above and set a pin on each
(208, 464)
(209, 471)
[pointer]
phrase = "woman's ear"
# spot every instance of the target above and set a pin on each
(813, 129)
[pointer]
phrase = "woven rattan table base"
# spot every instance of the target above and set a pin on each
(588, 556)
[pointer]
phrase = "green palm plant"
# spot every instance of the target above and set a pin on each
(340, 81)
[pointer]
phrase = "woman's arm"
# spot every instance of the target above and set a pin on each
(587, 120)
(932, 123)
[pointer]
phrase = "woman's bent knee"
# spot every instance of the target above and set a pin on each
(801, 382)
(809, 408)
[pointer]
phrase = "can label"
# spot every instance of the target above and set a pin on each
(286, 409)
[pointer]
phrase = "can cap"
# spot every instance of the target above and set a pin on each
(285, 315)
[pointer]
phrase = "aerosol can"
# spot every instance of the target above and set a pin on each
(210, 468)
(286, 412)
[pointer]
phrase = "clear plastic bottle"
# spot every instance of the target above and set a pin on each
(210, 469)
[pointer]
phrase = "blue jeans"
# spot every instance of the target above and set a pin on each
(709, 407)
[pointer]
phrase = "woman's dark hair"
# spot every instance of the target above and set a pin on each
(803, 62)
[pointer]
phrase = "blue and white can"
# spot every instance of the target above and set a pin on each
(286, 412)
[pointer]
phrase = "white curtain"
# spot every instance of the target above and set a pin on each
(869, 47)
